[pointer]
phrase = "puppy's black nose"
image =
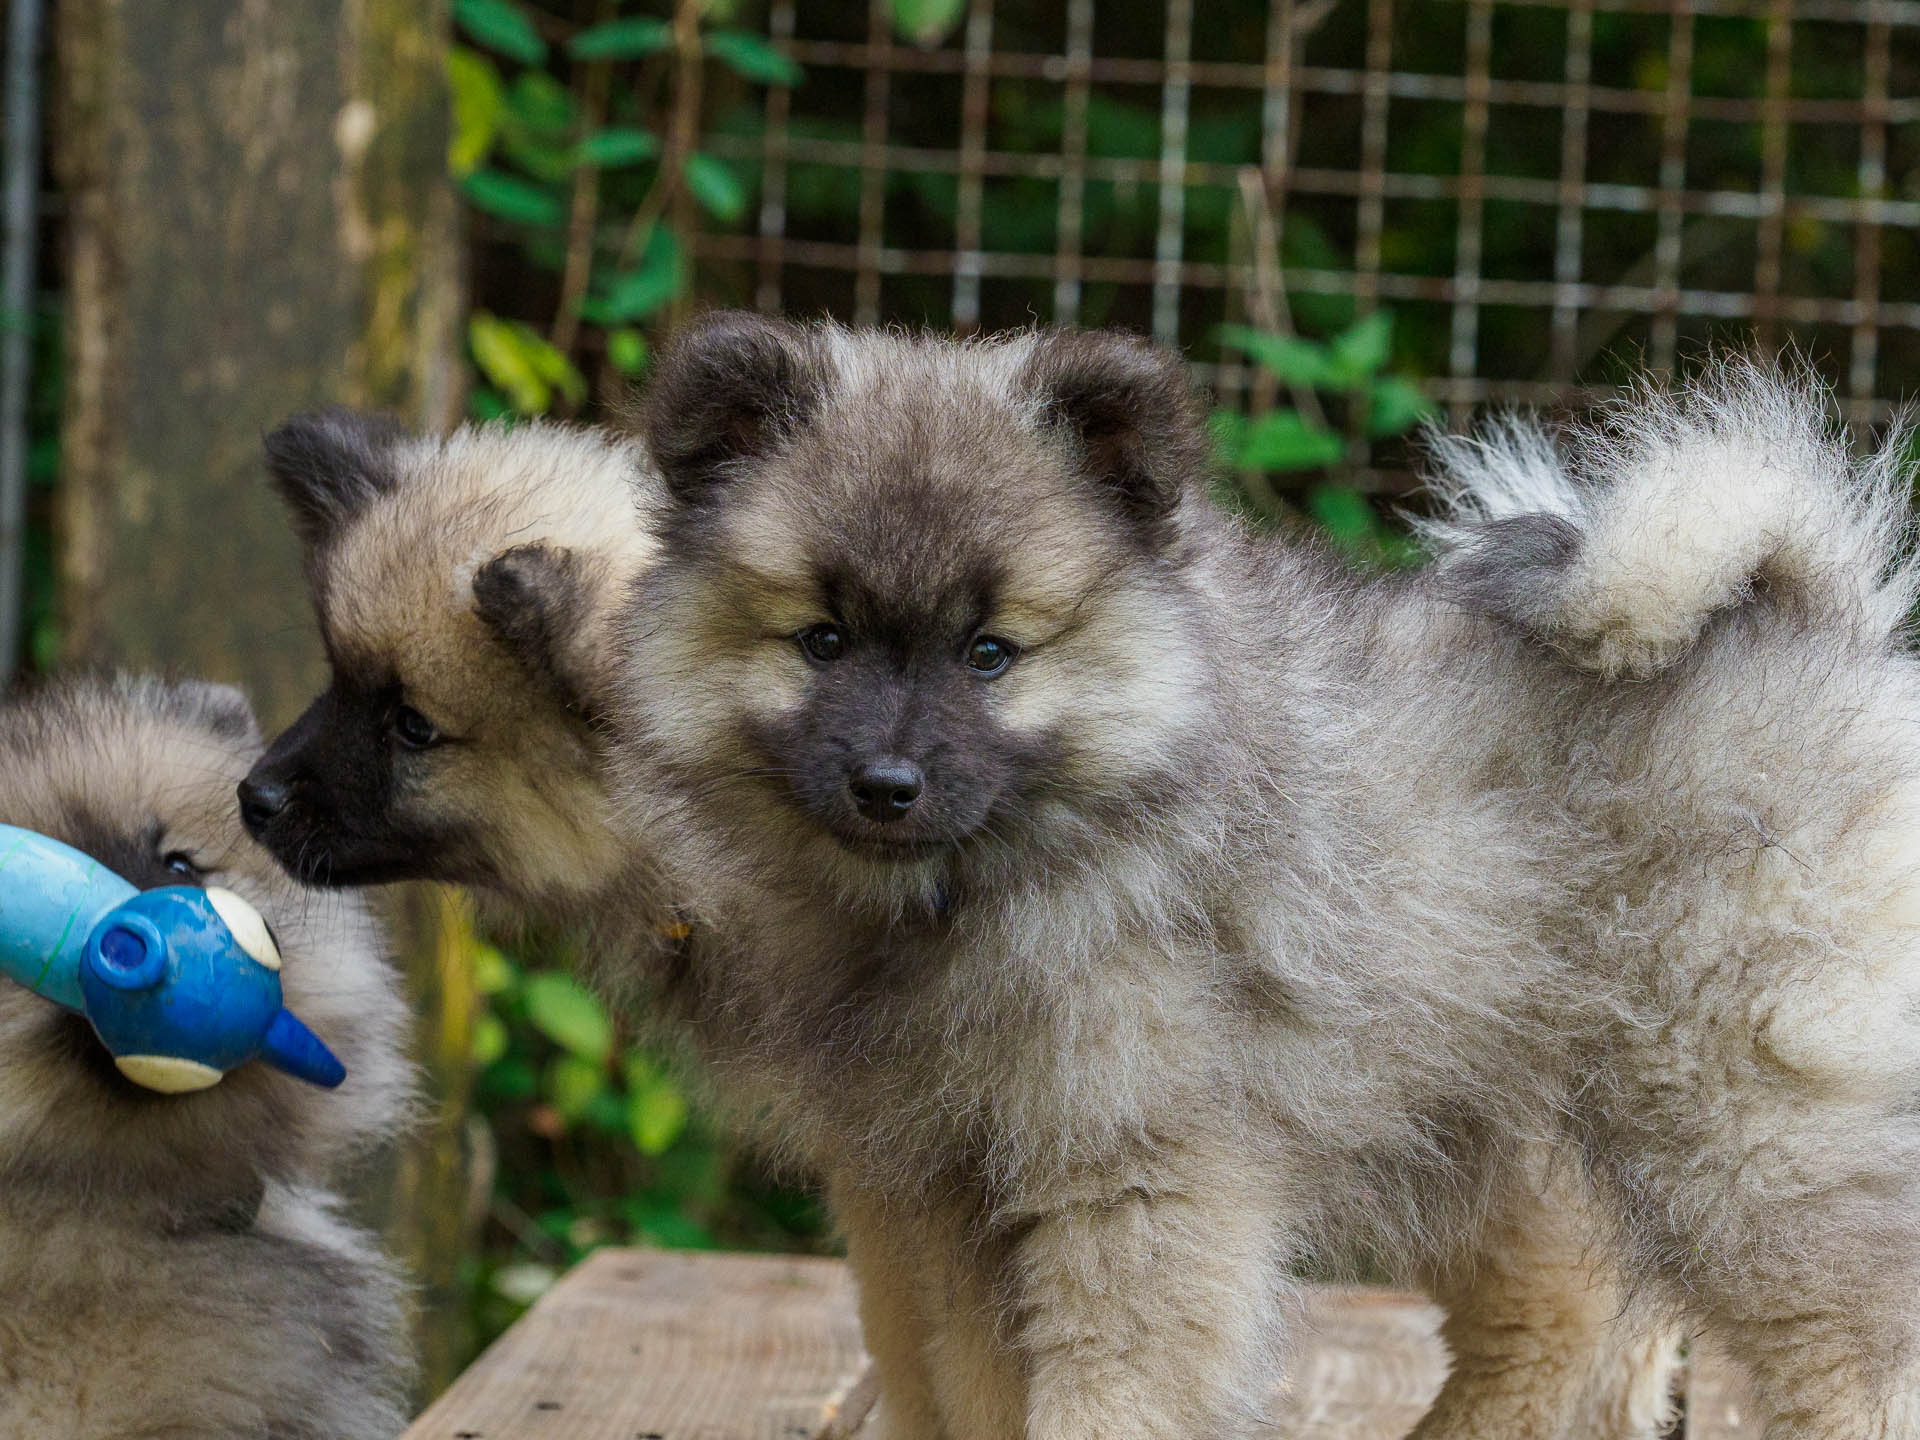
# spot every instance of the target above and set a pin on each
(261, 801)
(886, 788)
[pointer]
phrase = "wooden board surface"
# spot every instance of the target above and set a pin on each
(651, 1344)
(648, 1345)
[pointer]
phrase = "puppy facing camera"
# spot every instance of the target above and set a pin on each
(187, 1229)
(1122, 909)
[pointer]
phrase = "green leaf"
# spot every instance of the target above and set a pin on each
(1395, 406)
(521, 362)
(656, 1117)
(492, 970)
(550, 365)
(501, 357)
(1359, 353)
(1345, 514)
(543, 105)
(610, 149)
(1296, 361)
(486, 403)
(572, 1084)
(636, 294)
(490, 1040)
(660, 1221)
(607, 1112)
(510, 1079)
(755, 59)
(1286, 440)
(716, 187)
(479, 100)
(503, 26)
(926, 22)
(569, 1015)
(627, 350)
(630, 39)
(511, 198)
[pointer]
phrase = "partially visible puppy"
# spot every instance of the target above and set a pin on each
(464, 587)
(173, 1265)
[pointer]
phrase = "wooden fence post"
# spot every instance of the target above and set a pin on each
(259, 222)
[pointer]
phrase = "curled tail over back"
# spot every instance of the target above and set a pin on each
(1617, 540)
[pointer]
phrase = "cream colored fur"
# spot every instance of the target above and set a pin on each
(176, 1267)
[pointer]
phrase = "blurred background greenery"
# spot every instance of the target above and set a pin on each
(612, 161)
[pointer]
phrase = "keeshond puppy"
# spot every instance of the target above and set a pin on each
(175, 1265)
(1121, 906)
(465, 588)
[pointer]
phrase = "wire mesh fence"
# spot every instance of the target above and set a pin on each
(1545, 195)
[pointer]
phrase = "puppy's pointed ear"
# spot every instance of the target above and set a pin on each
(328, 466)
(223, 709)
(730, 388)
(538, 601)
(1131, 414)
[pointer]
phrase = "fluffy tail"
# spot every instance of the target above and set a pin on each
(1618, 545)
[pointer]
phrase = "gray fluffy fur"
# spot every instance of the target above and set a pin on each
(175, 1267)
(1346, 917)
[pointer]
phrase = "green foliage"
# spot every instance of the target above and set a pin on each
(522, 365)
(716, 187)
(750, 56)
(1346, 370)
(597, 1144)
(511, 198)
(634, 38)
(926, 22)
(529, 142)
(503, 26)
(627, 296)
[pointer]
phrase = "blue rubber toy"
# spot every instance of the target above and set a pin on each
(181, 985)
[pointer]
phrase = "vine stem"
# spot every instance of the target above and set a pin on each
(680, 135)
(584, 215)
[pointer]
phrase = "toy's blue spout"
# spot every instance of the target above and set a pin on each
(292, 1047)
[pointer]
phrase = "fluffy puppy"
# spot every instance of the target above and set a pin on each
(465, 588)
(402, 535)
(1122, 906)
(174, 1266)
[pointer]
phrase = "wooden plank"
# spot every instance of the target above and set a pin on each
(651, 1344)
(1370, 1364)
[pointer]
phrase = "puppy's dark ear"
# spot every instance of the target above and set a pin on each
(1131, 413)
(537, 600)
(223, 709)
(328, 466)
(732, 387)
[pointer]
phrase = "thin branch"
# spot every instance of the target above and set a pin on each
(1267, 300)
(681, 133)
(584, 215)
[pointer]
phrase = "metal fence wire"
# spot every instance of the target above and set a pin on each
(1545, 195)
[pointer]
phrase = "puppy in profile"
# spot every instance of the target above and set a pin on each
(175, 1265)
(1122, 906)
(465, 588)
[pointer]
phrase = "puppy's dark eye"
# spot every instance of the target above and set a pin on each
(825, 643)
(989, 655)
(413, 729)
(183, 864)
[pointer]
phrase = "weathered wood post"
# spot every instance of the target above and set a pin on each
(260, 223)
